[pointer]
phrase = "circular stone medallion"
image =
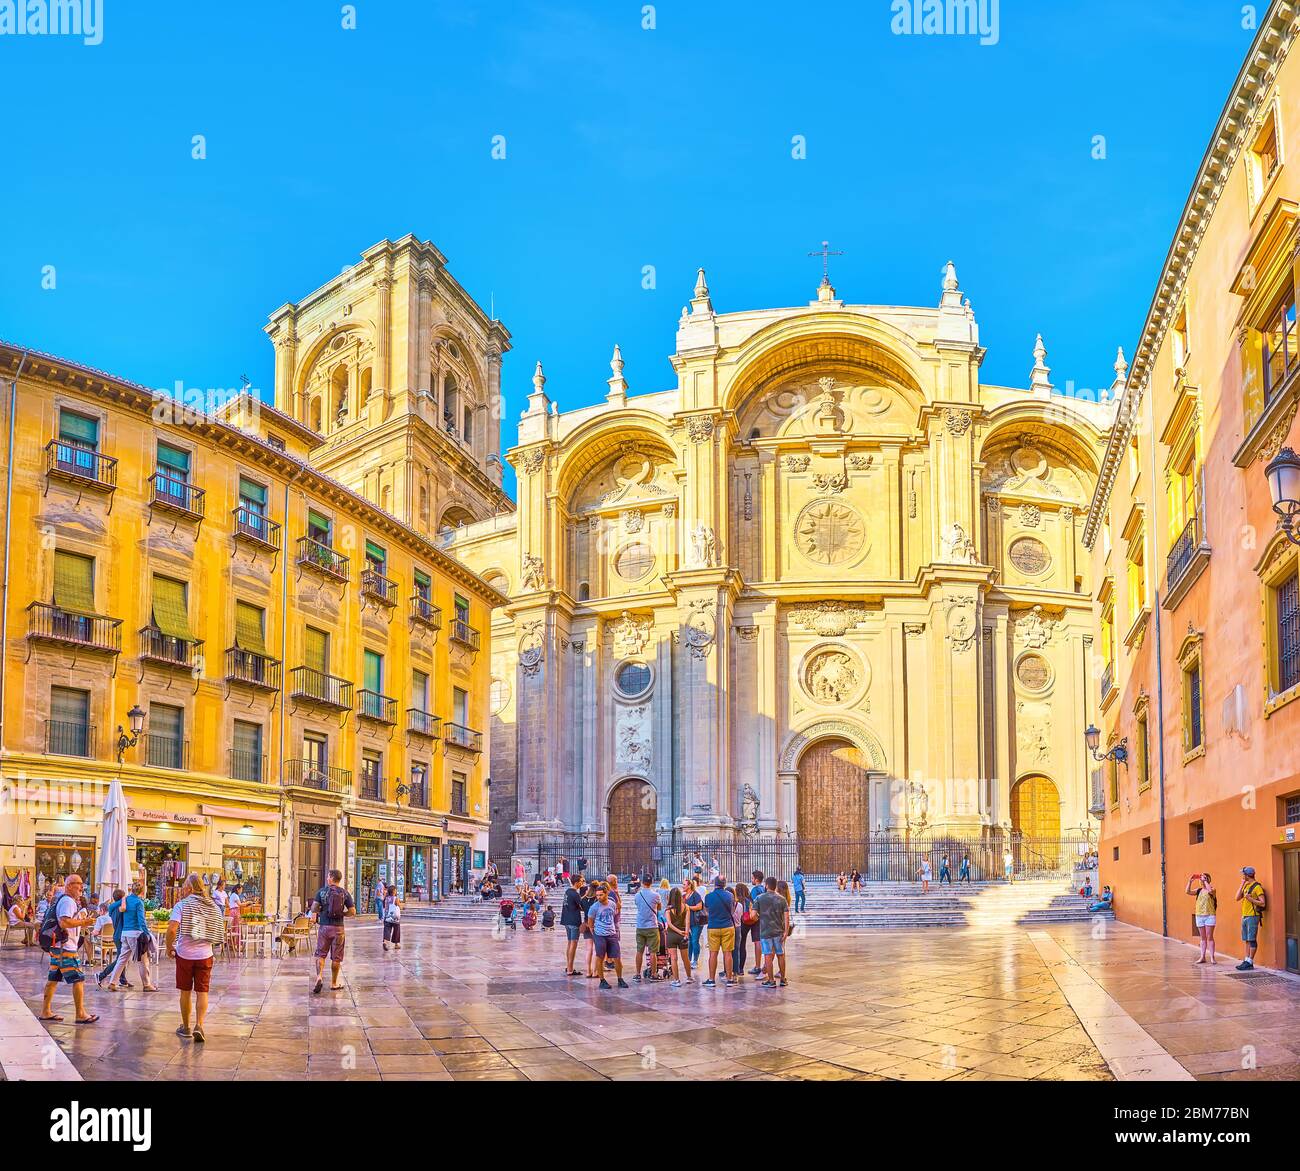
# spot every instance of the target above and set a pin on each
(1029, 555)
(1033, 673)
(830, 532)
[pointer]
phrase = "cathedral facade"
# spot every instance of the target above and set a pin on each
(828, 583)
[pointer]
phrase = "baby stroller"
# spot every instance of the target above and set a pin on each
(657, 966)
(507, 912)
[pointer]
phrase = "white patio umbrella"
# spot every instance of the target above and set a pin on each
(114, 861)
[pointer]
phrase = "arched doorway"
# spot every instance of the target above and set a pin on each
(631, 832)
(1036, 823)
(834, 811)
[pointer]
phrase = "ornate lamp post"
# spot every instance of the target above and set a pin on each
(1283, 474)
(1092, 738)
(135, 717)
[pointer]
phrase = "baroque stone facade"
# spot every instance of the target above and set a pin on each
(828, 533)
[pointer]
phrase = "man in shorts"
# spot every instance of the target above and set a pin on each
(331, 906)
(193, 955)
(773, 927)
(719, 903)
(648, 905)
(65, 955)
(604, 932)
(1251, 894)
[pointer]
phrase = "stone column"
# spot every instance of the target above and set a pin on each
(382, 380)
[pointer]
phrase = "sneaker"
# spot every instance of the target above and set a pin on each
(768, 984)
(182, 1031)
(731, 982)
(199, 1037)
(605, 984)
(755, 971)
(1245, 966)
(675, 984)
(637, 977)
(709, 984)
(783, 981)
(622, 983)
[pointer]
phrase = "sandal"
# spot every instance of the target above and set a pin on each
(90, 1020)
(51, 1017)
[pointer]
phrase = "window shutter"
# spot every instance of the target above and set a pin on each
(248, 628)
(317, 651)
(169, 611)
(374, 671)
(74, 582)
(69, 706)
(78, 429)
(251, 493)
(248, 737)
(376, 554)
(166, 721)
(174, 460)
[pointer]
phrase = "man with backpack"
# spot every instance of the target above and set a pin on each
(1251, 894)
(331, 906)
(60, 935)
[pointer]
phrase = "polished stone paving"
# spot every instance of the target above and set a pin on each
(458, 1003)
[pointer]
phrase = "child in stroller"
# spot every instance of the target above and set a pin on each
(657, 964)
(507, 912)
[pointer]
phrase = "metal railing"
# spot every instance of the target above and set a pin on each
(49, 623)
(374, 706)
(417, 797)
(69, 738)
(424, 611)
(252, 669)
(1182, 552)
(423, 723)
(314, 555)
(309, 775)
(372, 786)
(462, 737)
(317, 687)
(375, 585)
(463, 632)
(1107, 680)
(166, 751)
(247, 766)
(253, 526)
(157, 647)
(172, 492)
(74, 462)
(1097, 798)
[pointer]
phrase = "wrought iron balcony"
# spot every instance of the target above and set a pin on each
(462, 737)
(177, 495)
(156, 647)
(422, 723)
(80, 465)
(313, 555)
(373, 706)
(425, 612)
(373, 786)
(462, 632)
(247, 766)
(254, 527)
(252, 670)
(417, 797)
(1097, 799)
(1187, 560)
(376, 586)
(1107, 681)
(316, 687)
(91, 632)
(69, 738)
(308, 774)
(166, 751)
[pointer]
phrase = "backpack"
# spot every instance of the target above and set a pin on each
(51, 934)
(334, 904)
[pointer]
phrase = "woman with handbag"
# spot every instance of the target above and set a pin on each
(392, 919)
(744, 916)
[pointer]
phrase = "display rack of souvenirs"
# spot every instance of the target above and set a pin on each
(171, 874)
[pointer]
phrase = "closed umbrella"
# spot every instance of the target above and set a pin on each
(114, 860)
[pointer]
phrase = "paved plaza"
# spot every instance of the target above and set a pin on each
(458, 1003)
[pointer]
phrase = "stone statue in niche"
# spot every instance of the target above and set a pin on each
(633, 739)
(831, 677)
(918, 805)
(748, 810)
(1035, 630)
(704, 546)
(958, 547)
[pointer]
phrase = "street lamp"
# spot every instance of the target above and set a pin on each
(135, 717)
(1283, 474)
(1092, 738)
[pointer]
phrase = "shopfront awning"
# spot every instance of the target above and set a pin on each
(389, 827)
(236, 814)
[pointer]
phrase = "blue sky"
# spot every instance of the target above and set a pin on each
(625, 148)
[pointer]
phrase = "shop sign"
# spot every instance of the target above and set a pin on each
(1288, 834)
(162, 815)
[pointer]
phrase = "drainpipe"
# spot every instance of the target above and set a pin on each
(284, 662)
(1160, 732)
(9, 512)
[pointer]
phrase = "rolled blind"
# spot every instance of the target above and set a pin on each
(78, 429)
(174, 460)
(248, 737)
(69, 706)
(317, 650)
(166, 721)
(74, 582)
(376, 554)
(251, 494)
(169, 611)
(248, 628)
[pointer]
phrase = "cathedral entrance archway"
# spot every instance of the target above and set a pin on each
(833, 805)
(631, 826)
(1036, 822)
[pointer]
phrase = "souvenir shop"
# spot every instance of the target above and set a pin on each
(407, 861)
(58, 856)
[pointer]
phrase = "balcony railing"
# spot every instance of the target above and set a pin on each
(425, 612)
(374, 706)
(253, 670)
(157, 647)
(177, 494)
(310, 775)
(314, 686)
(253, 526)
(1107, 681)
(462, 737)
(422, 723)
(1097, 800)
(69, 738)
(373, 787)
(375, 585)
(322, 558)
(166, 751)
(247, 766)
(92, 632)
(1180, 556)
(417, 797)
(463, 632)
(69, 461)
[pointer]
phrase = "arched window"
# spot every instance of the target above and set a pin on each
(339, 394)
(366, 379)
(314, 414)
(584, 591)
(450, 393)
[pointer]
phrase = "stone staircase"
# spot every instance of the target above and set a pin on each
(895, 906)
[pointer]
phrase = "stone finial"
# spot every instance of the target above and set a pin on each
(1040, 382)
(617, 384)
(950, 278)
(700, 301)
(537, 400)
(539, 380)
(1121, 365)
(951, 298)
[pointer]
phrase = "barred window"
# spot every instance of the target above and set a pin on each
(1288, 632)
